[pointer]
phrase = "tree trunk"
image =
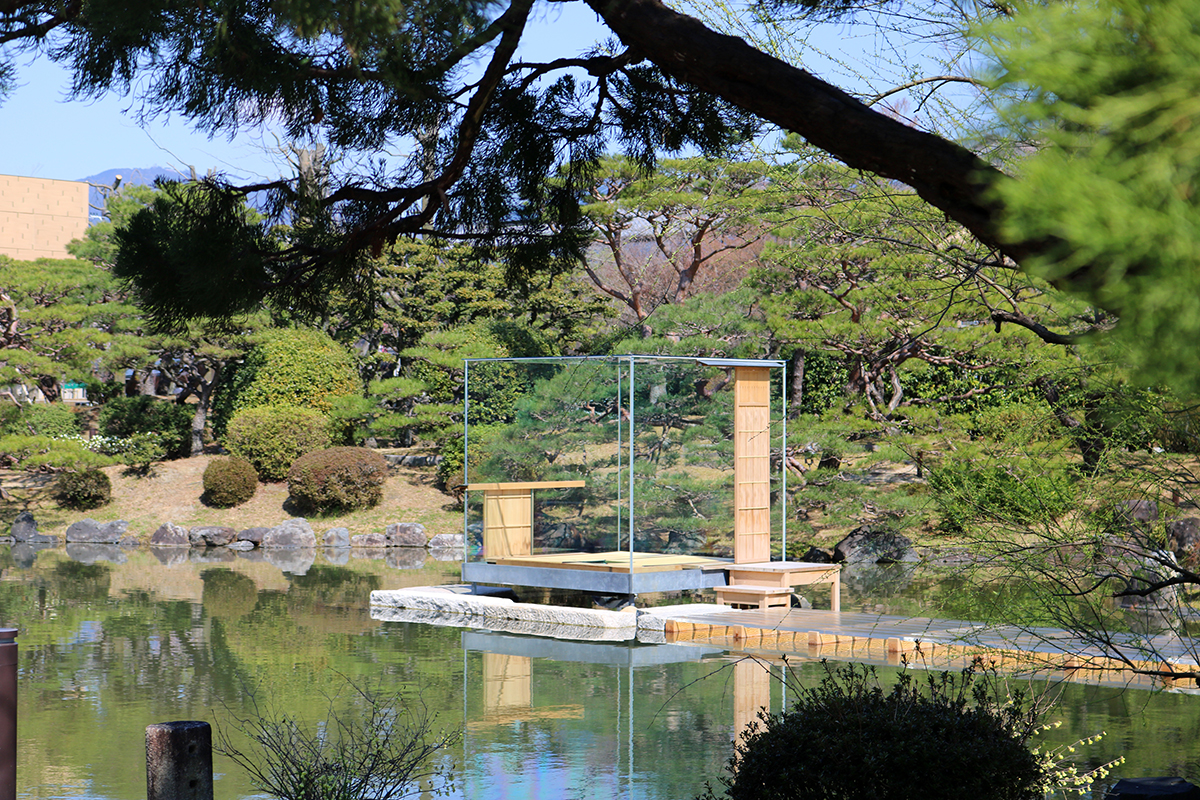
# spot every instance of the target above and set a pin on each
(200, 418)
(50, 388)
(796, 385)
(1087, 434)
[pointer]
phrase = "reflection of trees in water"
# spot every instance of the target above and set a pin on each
(965, 592)
(339, 587)
(74, 580)
(228, 594)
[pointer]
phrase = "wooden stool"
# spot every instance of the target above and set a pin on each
(755, 596)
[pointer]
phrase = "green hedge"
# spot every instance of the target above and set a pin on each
(271, 438)
(288, 367)
(127, 416)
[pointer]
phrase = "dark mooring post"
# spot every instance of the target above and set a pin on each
(8, 712)
(179, 761)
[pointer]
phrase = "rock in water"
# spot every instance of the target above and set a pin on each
(406, 534)
(293, 533)
(170, 535)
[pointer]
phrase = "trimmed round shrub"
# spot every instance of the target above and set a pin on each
(83, 490)
(271, 438)
(125, 417)
(229, 482)
(341, 478)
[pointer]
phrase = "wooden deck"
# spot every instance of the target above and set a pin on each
(615, 561)
(940, 644)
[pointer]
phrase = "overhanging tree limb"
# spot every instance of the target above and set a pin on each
(944, 174)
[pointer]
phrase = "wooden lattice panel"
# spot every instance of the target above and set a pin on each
(508, 523)
(752, 465)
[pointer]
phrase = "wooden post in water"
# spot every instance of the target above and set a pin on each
(8, 712)
(179, 761)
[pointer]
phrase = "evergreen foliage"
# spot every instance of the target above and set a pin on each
(947, 737)
(99, 244)
(141, 450)
(340, 478)
(53, 420)
(187, 232)
(64, 318)
(867, 275)
(288, 367)
(666, 235)
(127, 416)
(22, 451)
(1023, 492)
(229, 482)
(272, 437)
(83, 490)
(1109, 90)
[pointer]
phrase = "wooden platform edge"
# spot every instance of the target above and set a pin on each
(898, 651)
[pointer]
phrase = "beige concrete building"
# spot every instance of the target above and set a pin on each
(39, 216)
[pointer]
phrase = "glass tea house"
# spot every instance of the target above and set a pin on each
(621, 475)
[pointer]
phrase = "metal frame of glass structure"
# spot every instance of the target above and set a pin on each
(612, 583)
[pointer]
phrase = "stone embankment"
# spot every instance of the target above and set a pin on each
(292, 534)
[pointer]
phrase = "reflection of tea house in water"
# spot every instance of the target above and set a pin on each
(624, 475)
(514, 692)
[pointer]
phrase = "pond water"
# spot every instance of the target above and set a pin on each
(119, 640)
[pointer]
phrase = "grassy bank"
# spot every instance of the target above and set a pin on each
(171, 493)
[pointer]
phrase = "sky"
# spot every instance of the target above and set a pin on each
(47, 136)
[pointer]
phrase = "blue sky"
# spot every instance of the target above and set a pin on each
(46, 136)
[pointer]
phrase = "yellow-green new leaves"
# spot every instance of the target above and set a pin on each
(1110, 91)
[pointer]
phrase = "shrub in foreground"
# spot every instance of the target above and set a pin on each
(342, 478)
(271, 438)
(381, 746)
(229, 482)
(83, 490)
(945, 738)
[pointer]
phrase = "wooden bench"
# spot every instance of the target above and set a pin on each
(787, 574)
(755, 596)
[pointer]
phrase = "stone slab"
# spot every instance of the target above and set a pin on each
(436, 599)
(497, 624)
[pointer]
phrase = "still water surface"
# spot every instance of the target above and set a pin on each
(126, 640)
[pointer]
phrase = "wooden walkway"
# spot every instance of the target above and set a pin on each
(934, 643)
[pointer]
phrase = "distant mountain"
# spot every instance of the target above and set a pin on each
(141, 176)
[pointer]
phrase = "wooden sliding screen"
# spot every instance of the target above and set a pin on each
(752, 465)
